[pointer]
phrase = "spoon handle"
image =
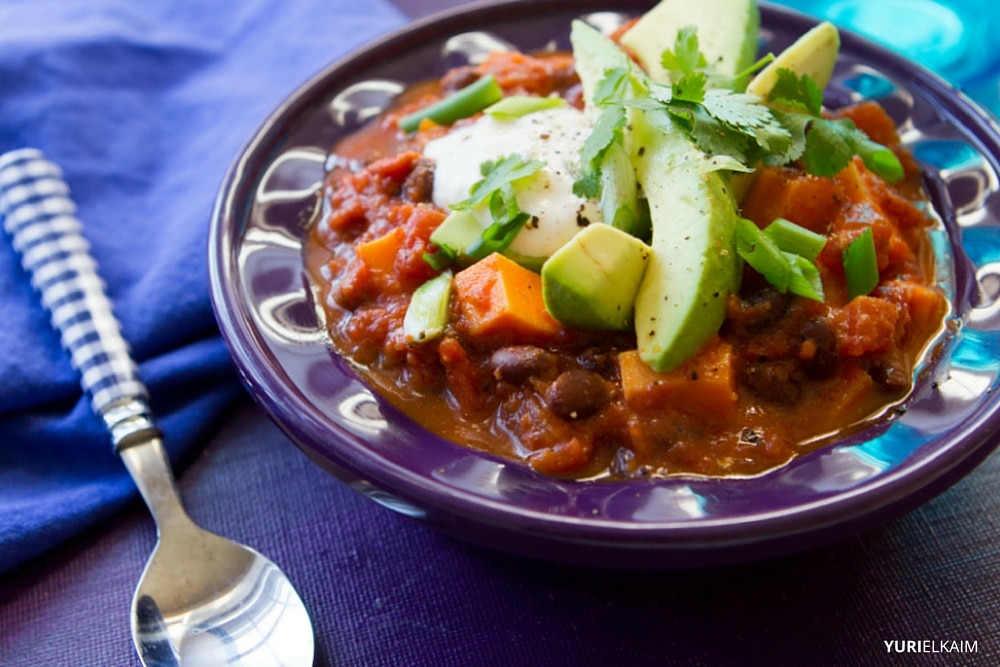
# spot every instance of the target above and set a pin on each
(41, 219)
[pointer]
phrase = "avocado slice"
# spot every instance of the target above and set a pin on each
(693, 264)
(591, 282)
(620, 205)
(727, 33)
(814, 54)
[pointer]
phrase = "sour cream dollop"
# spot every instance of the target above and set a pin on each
(554, 136)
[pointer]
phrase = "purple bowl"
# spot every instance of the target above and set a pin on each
(269, 320)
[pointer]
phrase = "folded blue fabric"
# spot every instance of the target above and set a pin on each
(143, 105)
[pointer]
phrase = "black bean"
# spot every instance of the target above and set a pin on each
(419, 184)
(890, 372)
(818, 350)
(517, 363)
(757, 310)
(577, 394)
(775, 381)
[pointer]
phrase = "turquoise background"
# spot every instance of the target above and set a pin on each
(957, 39)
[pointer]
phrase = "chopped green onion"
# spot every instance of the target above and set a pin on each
(804, 278)
(516, 106)
(461, 104)
(763, 254)
(440, 258)
(861, 265)
(796, 239)
(427, 314)
(881, 160)
(786, 271)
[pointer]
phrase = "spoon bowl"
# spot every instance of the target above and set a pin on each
(203, 600)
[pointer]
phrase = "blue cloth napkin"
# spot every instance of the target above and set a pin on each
(143, 105)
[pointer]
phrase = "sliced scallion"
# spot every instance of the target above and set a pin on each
(427, 314)
(516, 106)
(461, 104)
(763, 254)
(508, 220)
(794, 238)
(804, 278)
(786, 271)
(861, 265)
(880, 160)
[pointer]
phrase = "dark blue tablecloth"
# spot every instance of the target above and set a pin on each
(385, 590)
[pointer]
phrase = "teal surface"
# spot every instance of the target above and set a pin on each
(954, 38)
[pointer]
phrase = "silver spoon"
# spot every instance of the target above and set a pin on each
(202, 599)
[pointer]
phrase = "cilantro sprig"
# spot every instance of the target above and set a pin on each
(690, 70)
(720, 120)
(608, 129)
(827, 145)
(498, 175)
(496, 190)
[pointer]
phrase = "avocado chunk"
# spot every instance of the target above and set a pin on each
(461, 229)
(813, 54)
(591, 282)
(727, 34)
(456, 233)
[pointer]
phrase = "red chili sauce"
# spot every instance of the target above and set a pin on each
(783, 371)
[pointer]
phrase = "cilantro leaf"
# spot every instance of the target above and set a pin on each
(660, 93)
(508, 219)
(690, 88)
(588, 184)
(800, 93)
(611, 86)
(686, 58)
(496, 174)
(607, 130)
(829, 147)
(715, 138)
(796, 124)
(746, 113)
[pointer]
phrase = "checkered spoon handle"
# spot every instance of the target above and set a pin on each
(41, 218)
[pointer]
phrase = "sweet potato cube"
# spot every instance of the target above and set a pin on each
(380, 254)
(702, 386)
(497, 296)
(782, 193)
